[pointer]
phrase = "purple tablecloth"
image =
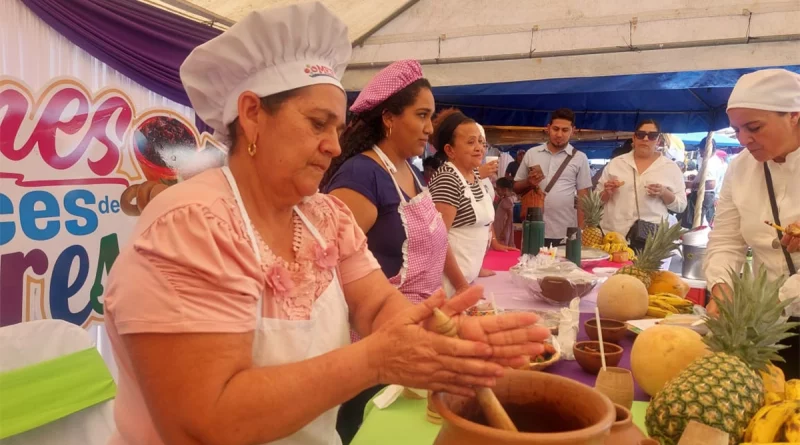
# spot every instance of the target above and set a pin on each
(571, 369)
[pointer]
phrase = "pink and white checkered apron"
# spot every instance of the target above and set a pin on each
(425, 247)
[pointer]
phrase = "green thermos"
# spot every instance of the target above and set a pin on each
(534, 230)
(574, 245)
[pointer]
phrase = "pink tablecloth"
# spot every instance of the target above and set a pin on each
(509, 296)
(495, 260)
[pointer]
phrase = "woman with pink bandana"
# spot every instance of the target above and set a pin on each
(376, 180)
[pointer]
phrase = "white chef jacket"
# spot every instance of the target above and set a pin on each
(620, 211)
(742, 209)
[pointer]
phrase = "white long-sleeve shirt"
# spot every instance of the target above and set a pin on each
(620, 211)
(742, 209)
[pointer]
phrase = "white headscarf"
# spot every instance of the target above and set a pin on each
(770, 90)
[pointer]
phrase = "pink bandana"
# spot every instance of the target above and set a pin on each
(386, 83)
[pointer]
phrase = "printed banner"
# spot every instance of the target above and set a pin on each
(76, 167)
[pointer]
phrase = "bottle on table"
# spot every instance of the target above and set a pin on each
(533, 231)
(574, 245)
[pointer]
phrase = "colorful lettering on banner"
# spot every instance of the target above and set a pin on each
(76, 168)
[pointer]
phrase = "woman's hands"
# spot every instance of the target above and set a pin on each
(500, 247)
(484, 272)
(791, 239)
(610, 188)
(403, 352)
(723, 292)
(488, 169)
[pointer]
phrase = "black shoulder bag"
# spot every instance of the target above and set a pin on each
(774, 203)
(641, 229)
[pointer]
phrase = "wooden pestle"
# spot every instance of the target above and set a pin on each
(494, 411)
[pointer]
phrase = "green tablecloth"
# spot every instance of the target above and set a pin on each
(404, 423)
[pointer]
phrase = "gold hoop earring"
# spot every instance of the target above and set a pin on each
(251, 149)
(388, 135)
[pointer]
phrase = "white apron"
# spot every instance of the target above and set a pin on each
(469, 243)
(279, 342)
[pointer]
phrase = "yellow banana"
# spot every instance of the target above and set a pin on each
(767, 428)
(760, 414)
(672, 300)
(771, 398)
(657, 312)
(664, 305)
(792, 427)
(792, 389)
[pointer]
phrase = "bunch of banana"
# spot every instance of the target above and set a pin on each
(792, 389)
(778, 422)
(614, 238)
(663, 304)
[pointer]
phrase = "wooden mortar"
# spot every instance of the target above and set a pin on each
(495, 413)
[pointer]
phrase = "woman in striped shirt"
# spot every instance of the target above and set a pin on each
(458, 192)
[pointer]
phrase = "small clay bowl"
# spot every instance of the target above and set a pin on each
(613, 330)
(590, 360)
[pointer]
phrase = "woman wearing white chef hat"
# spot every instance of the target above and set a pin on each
(230, 311)
(762, 185)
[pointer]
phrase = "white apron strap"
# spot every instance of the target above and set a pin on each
(314, 232)
(245, 217)
(467, 189)
(392, 170)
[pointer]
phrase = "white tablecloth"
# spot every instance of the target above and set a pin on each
(507, 295)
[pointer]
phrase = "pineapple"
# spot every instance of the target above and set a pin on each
(592, 207)
(724, 389)
(657, 248)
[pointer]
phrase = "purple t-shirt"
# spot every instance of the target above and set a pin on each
(385, 239)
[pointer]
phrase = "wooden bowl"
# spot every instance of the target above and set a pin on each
(613, 330)
(547, 409)
(541, 366)
(561, 291)
(590, 360)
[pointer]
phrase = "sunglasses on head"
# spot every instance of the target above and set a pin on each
(651, 135)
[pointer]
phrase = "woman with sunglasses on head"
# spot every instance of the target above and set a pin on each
(641, 184)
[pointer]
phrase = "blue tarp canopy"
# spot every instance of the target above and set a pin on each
(719, 139)
(682, 102)
(592, 149)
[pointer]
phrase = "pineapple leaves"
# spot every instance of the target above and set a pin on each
(750, 323)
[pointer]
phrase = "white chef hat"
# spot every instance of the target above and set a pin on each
(267, 52)
(482, 130)
(770, 90)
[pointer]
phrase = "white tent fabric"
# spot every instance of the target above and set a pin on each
(26, 344)
(486, 41)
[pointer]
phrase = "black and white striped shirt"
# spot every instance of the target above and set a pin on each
(446, 187)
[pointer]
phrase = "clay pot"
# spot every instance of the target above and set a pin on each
(590, 361)
(546, 408)
(617, 385)
(623, 431)
(613, 330)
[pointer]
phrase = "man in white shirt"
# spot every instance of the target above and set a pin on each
(574, 179)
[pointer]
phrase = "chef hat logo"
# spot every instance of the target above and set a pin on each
(319, 70)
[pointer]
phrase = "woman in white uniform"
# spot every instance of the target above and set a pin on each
(764, 109)
(459, 193)
(231, 309)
